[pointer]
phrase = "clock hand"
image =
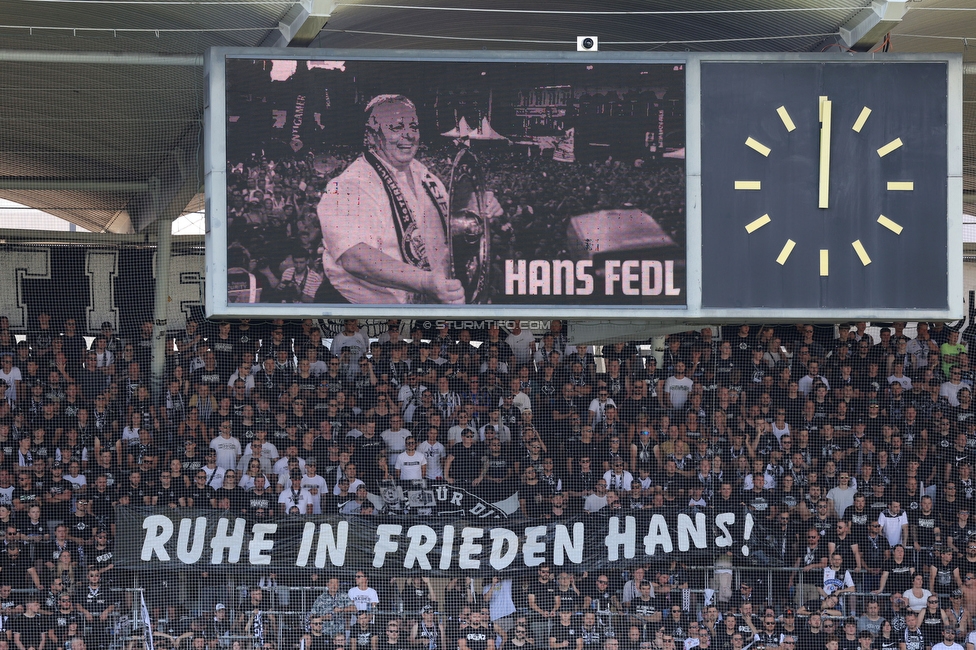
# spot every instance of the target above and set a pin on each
(824, 150)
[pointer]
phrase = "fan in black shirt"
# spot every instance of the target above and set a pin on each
(63, 615)
(81, 525)
(103, 500)
(134, 493)
(33, 529)
(232, 491)
(259, 503)
(199, 494)
(25, 493)
(14, 565)
(31, 627)
(166, 494)
(563, 634)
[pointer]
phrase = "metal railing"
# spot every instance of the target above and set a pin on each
(291, 604)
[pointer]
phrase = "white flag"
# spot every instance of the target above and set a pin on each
(147, 622)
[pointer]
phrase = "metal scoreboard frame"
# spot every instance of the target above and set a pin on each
(690, 299)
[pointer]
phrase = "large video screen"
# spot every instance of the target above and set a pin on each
(429, 184)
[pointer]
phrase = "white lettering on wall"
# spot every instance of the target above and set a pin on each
(102, 268)
(17, 264)
(185, 287)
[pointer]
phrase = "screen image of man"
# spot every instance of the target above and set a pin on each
(384, 219)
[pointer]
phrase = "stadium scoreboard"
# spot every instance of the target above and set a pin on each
(583, 185)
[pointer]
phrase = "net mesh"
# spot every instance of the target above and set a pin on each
(92, 281)
(230, 386)
(95, 125)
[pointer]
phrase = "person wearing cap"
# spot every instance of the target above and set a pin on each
(388, 245)
(294, 495)
(220, 625)
(112, 342)
(428, 632)
(957, 616)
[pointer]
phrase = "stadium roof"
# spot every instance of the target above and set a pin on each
(103, 99)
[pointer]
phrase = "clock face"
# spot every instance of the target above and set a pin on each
(824, 185)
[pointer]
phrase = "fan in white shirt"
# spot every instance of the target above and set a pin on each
(410, 465)
(315, 485)
(295, 496)
(617, 477)
(599, 404)
(434, 452)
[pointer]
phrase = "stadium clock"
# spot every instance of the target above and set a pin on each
(823, 184)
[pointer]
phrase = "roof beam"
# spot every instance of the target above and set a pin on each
(65, 184)
(99, 58)
(870, 25)
(174, 183)
(301, 24)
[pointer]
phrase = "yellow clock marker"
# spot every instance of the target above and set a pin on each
(863, 254)
(785, 253)
(901, 186)
(890, 225)
(861, 119)
(824, 266)
(756, 145)
(825, 111)
(785, 117)
(750, 185)
(888, 148)
(753, 226)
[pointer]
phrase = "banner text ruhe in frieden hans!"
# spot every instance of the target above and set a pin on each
(150, 539)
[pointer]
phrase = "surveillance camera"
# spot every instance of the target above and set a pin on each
(587, 44)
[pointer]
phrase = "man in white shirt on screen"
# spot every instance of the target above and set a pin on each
(383, 218)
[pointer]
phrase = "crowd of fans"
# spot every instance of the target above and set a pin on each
(853, 454)
(272, 204)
